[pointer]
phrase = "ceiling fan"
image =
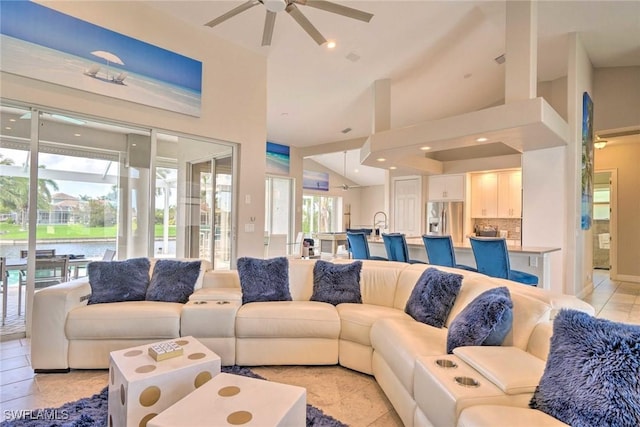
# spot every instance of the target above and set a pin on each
(345, 186)
(290, 6)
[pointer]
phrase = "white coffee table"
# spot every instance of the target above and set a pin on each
(140, 387)
(233, 400)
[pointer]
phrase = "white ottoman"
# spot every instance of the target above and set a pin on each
(233, 400)
(140, 387)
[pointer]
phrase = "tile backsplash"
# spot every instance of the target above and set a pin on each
(512, 226)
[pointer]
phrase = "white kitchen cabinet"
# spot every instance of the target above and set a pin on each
(510, 194)
(484, 195)
(446, 187)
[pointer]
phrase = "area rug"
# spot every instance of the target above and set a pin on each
(92, 411)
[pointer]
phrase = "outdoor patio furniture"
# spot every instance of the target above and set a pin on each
(49, 271)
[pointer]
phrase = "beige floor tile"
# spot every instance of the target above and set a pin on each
(13, 363)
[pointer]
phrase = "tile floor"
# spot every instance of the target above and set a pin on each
(349, 396)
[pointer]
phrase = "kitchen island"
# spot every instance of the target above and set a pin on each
(530, 259)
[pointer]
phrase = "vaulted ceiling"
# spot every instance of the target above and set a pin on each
(439, 55)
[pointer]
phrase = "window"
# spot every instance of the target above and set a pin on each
(321, 214)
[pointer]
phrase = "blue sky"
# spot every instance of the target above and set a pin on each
(40, 25)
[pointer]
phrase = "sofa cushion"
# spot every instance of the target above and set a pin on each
(124, 320)
(287, 319)
(357, 319)
(485, 321)
(173, 281)
(400, 341)
(592, 375)
(117, 281)
(264, 279)
(337, 283)
(433, 296)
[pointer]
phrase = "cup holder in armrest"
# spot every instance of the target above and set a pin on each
(222, 302)
(199, 302)
(467, 382)
(446, 363)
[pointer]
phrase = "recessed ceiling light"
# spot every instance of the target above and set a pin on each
(425, 148)
(393, 167)
(7, 127)
(482, 139)
(331, 44)
(77, 134)
(12, 120)
(381, 159)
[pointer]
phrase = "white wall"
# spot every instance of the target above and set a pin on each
(233, 102)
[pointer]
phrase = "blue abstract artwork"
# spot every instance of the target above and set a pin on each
(587, 162)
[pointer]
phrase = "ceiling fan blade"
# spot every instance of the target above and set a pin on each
(233, 12)
(338, 8)
(305, 24)
(269, 22)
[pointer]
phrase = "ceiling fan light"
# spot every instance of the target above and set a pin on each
(275, 5)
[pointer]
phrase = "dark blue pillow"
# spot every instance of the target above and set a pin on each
(117, 281)
(336, 283)
(264, 279)
(173, 281)
(433, 296)
(592, 376)
(484, 321)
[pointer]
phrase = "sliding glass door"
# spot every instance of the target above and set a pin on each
(85, 189)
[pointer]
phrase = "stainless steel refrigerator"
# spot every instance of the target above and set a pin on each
(446, 218)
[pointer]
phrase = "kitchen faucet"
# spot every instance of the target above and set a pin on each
(383, 222)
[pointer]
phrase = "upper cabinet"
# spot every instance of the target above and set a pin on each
(510, 194)
(446, 187)
(484, 195)
(496, 195)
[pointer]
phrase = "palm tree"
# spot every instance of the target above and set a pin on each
(15, 194)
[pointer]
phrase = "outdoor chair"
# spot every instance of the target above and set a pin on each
(359, 247)
(397, 250)
(49, 271)
(440, 252)
(492, 259)
(108, 255)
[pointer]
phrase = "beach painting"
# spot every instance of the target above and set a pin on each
(313, 180)
(43, 44)
(587, 163)
(277, 159)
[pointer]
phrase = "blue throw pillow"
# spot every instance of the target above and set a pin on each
(173, 281)
(592, 376)
(336, 283)
(485, 321)
(117, 281)
(264, 279)
(433, 296)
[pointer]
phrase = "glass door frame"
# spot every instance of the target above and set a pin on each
(34, 149)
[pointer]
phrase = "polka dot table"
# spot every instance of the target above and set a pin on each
(233, 400)
(141, 387)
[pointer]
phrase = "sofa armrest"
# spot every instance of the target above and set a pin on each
(512, 370)
(216, 294)
(49, 344)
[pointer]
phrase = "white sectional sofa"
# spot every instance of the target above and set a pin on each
(376, 337)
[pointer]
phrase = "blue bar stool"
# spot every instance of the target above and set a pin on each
(359, 247)
(440, 252)
(492, 259)
(396, 246)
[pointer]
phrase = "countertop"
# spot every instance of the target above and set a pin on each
(538, 250)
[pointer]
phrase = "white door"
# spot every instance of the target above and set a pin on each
(407, 205)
